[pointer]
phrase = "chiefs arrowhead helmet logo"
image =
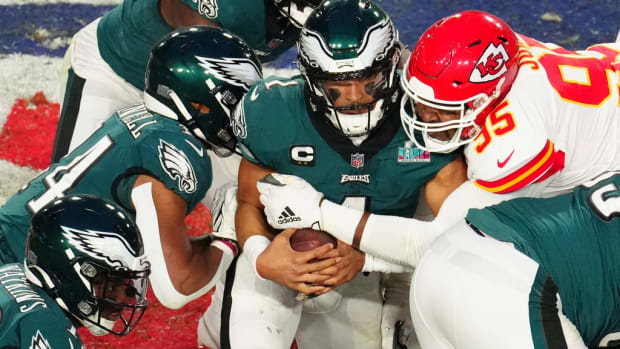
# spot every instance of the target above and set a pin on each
(491, 64)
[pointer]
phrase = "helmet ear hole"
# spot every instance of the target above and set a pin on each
(197, 75)
(86, 309)
(74, 245)
(88, 270)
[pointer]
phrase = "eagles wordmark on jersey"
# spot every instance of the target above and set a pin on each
(306, 145)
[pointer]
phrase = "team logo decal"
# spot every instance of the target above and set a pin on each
(96, 243)
(409, 153)
(357, 160)
(39, 342)
(176, 164)
(240, 72)
(302, 155)
(376, 43)
(364, 178)
(207, 8)
(491, 65)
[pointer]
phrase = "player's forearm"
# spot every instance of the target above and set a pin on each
(253, 233)
(397, 239)
(169, 258)
(374, 263)
(394, 239)
(249, 221)
(199, 269)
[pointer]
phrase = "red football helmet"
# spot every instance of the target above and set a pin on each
(465, 63)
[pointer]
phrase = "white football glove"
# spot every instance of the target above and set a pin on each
(290, 202)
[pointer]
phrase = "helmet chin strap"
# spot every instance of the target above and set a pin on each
(218, 150)
(357, 140)
(186, 115)
(437, 146)
(96, 330)
(365, 121)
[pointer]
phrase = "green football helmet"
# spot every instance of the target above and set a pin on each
(197, 75)
(348, 52)
(87, 254)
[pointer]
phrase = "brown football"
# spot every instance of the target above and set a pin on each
(306, 239)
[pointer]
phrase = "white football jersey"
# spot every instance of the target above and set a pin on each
(559, 125)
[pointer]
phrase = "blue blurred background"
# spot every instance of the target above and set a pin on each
(573, 24)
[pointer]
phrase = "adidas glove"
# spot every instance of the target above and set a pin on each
(290, 202)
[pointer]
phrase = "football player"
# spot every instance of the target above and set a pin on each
(107, 59)
(527, 273)
(151, 159)
(85, 266)
(535, 120)
(338, 127)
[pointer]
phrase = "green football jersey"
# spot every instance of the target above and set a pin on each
(29, 318)
(383, 175)
(576, 238)
(132, 142)
(127, 33)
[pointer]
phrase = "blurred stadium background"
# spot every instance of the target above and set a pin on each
(34, 35)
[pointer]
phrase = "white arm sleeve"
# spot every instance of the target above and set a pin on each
(376, 264)
(146, 220)
(404, 240)
(339, 221)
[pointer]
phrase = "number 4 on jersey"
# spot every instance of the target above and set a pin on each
(64, 177)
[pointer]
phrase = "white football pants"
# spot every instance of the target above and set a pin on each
(473, 292)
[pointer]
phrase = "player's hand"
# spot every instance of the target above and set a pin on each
(281, 264)
(290, 202)
(350, 262)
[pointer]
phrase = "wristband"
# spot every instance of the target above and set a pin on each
(253, 247)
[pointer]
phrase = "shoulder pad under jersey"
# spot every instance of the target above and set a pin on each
(179, 160)
(513, 149)
(268, 117)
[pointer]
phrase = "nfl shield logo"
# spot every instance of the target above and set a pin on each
(357, 160)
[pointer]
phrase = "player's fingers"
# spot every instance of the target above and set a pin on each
(317, 253)
(323, 264)
(315, 279)
(317, 267)
(332, 281)
(287, 233)
(333, 253)
(309, 288)
(336, 280)
(327, 289)
(332, 270)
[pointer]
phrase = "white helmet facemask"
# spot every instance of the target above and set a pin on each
(464, 127)
(355, 107)
(357, 126)
(97, 330)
